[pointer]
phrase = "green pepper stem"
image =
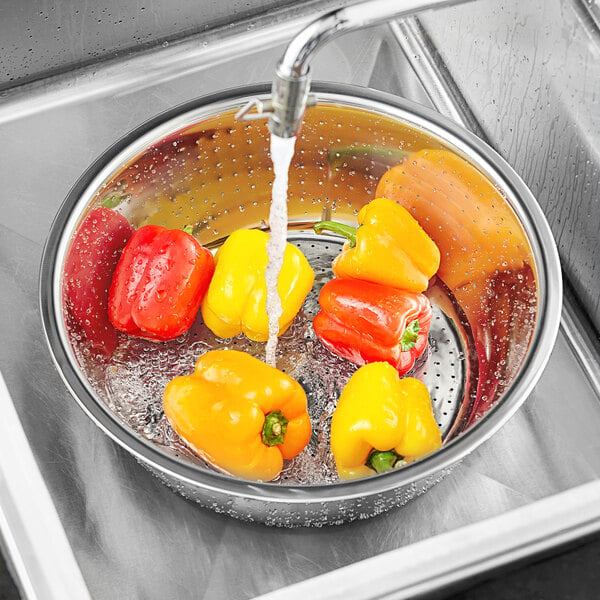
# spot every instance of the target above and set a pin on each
(273, 432)
(347, 231)
(382, 460)
(410, 336)
(189, 229)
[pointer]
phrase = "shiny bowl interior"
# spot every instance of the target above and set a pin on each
(496, 297)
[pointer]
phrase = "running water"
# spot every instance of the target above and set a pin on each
(282, 152)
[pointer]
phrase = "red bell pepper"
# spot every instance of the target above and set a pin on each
(89, 266)
(159, 283)
(366, 322)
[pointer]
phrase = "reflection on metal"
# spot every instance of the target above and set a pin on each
(44, 41)
(591, 10)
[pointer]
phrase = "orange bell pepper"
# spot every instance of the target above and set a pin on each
(240, 414)
(388, 247)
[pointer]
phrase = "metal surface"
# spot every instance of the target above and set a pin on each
(443, 561)
(295, 61)
(31, 530)
(433, 74)
(131, 536)
(40, 40)
(550, 135)
(292, 79)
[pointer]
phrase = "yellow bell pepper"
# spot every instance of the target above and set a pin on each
(236, 298)
(463, 211)
(239, 414)
(388, 247)
(381, 422)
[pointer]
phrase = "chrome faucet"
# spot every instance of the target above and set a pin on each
(291, 85)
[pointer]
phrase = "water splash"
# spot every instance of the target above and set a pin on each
(282, 152)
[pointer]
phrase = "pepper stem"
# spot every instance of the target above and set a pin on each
(273, 432)
(410, 336)
(347, 231)
(189, 229)
(382, 460)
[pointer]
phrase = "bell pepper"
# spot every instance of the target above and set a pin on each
(240, 414)
(159, 283)
(388, 247)
(381, 422)
(236, 299)
(89, 266)
(365, 322)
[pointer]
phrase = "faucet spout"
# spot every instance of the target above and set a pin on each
(291, 83)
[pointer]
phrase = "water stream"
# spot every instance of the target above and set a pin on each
(282, 152)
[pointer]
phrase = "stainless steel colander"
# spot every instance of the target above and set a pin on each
(497, 296)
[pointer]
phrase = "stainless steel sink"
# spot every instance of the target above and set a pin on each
(531, 487)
